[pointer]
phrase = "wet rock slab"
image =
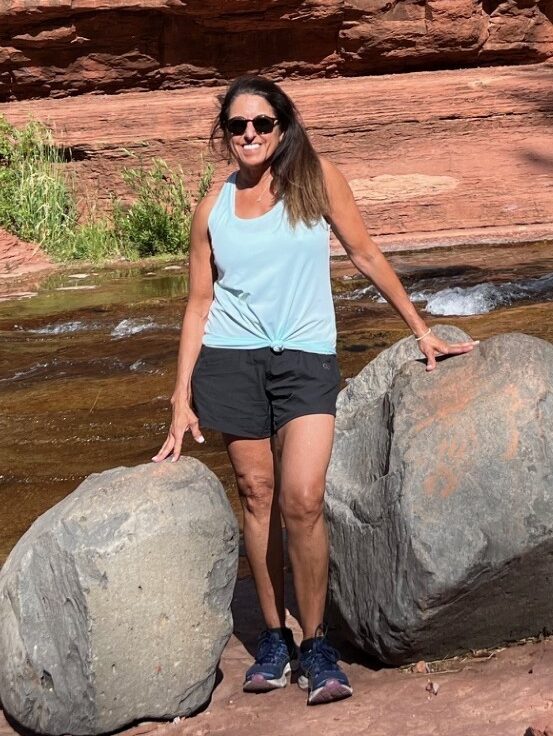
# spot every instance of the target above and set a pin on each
(440, 500)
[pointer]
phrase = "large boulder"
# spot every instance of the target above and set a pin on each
(115, 604)
(440, 500)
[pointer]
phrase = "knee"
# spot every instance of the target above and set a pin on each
(256, 493)
(303, 506)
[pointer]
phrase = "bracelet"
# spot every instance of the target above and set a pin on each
(428, 331)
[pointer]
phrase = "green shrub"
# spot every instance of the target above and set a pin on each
(37, 203)
(158, 221)
(206, 179)
(95, 240)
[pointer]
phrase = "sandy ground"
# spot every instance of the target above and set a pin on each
(502, 692)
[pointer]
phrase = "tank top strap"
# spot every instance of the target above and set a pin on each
(224, 202)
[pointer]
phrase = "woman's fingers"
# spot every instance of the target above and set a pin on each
(455, 348)
(175, 438)
(165, 449)
(195, 430)
(177, 448)
(177, 434)
(463, 347)
(434, 347)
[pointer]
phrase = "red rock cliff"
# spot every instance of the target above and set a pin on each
(66, 47)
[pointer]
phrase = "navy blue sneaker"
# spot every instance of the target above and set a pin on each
(276, 657)
(320, 674)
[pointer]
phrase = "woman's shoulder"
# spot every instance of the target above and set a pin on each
(207, 203)
(331, 172)
(337, 186)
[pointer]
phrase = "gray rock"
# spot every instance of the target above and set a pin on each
(115, 604)
(440, 500)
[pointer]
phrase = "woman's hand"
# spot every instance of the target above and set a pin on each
(184, 419)
(431, 346)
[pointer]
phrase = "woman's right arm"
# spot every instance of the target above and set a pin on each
(200, 296)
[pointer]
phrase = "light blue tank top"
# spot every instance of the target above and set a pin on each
(273, 281)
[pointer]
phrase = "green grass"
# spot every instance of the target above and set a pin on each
(35, 201)
(38, 203)
(158, 221)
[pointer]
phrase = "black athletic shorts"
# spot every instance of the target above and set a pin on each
(253, 393)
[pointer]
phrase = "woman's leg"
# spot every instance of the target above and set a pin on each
(254, 467)
(305, 445)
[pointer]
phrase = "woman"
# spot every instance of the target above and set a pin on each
(257, 358)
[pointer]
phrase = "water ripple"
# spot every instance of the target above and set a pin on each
(486, 297)
(63, 327)
(467, 300)
(133, 326)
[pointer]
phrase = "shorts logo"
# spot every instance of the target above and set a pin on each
(326, 365)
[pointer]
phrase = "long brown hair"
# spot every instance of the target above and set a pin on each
(295, 167)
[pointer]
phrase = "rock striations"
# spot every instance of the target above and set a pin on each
(438, 158)
(115, 605)
(66, 47)
(440, 500)
(18, 257)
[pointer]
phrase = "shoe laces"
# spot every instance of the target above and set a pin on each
(321, 656)
(270, 648)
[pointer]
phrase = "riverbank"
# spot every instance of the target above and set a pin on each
(29, 271)
(19, 259)
(24, 267)
(23, 263)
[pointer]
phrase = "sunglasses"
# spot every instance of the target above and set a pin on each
(261, 123)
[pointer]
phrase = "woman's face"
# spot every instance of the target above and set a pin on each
(253, 149)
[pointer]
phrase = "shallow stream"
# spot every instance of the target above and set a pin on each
(87, 357)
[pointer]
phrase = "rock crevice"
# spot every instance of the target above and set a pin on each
(66, 48)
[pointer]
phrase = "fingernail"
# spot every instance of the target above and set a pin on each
(201, 438)
(476, 342)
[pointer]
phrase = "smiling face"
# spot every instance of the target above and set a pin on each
(251, 149)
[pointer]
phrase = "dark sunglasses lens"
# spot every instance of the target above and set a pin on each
(263, 124)
(237, 126)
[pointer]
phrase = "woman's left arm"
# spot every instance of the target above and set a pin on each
(347, 223)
